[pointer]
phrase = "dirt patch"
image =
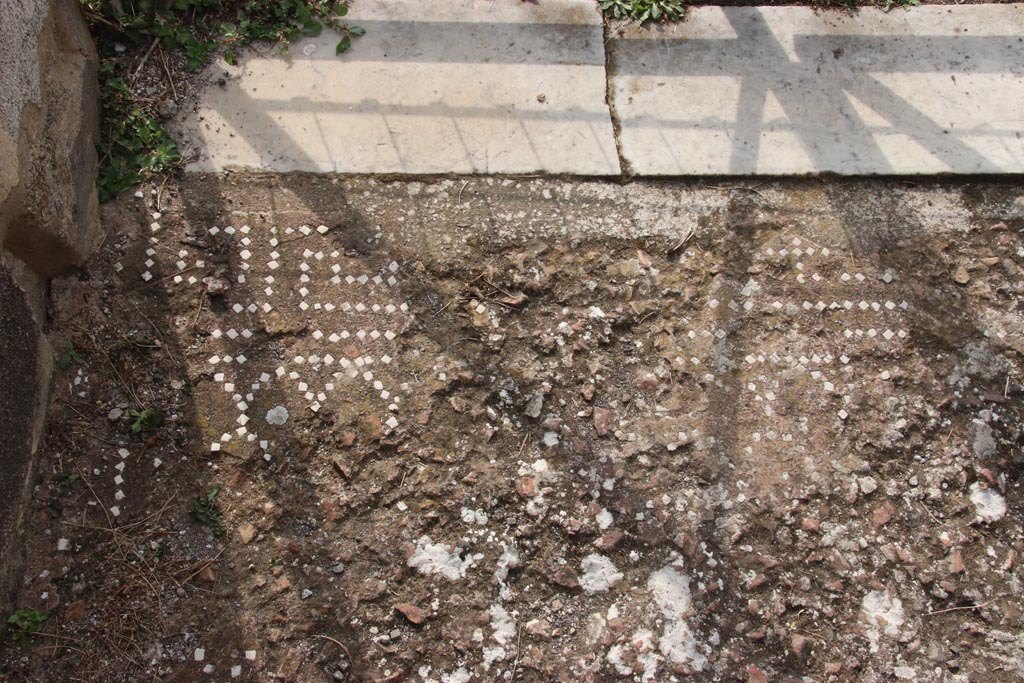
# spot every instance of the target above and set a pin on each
(526, 429)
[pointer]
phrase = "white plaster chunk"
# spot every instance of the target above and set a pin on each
(599, 574)
(434, 558)
(882, 613)
(277, 415)
(988, 505)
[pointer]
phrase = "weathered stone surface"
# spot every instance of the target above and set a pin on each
(48, 129)
(24, 377)
(461, 86)
(481, 87)
(793, 90)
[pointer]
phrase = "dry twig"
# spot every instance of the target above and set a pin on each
(963, 607)
(338, 643)
(145, 57)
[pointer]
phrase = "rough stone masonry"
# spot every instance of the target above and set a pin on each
(49, 219)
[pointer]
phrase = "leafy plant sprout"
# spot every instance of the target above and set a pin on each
(25, 624)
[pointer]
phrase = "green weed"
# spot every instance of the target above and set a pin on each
(641, 11)
(69, 357)
(206, 510)
(133, 145)
(25, 624)
(67, 482)
(149, 419)
(137, 342)
(905, 4)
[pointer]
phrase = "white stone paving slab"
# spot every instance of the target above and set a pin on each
(435, 86)
(788, 90)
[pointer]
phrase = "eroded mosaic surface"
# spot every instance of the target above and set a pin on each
(594, 429)
(535, 430)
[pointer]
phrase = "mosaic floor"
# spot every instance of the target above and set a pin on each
(528, 429)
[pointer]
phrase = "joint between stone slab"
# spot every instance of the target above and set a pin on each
(625, 169)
